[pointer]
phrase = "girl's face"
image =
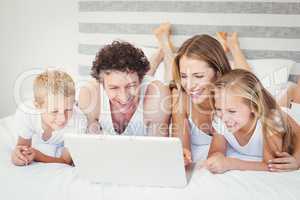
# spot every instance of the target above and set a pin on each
(196, 76)
(122, 89)
(232, 110)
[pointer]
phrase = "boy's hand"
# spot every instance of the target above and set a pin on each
(30, 154)
(217, 163)
(66, 157)
(18, 157)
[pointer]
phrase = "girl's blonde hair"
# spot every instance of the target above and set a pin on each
(52, 82)
(265, 107)
(205, 48)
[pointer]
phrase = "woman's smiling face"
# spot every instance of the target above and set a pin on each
(196, 77)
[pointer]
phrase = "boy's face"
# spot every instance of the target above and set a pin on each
(57, 110)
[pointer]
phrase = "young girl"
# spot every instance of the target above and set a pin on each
(250, 127)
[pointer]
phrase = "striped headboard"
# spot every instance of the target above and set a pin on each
(267, 29)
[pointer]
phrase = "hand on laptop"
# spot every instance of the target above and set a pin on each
(187, 156)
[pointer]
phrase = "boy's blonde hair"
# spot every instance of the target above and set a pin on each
(52, 82)
(262, 103)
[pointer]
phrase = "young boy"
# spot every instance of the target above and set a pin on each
(42, 124)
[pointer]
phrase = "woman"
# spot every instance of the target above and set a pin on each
(197, 64)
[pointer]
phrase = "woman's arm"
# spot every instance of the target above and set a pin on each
(180, 124)
(283, 161)
(296, 154)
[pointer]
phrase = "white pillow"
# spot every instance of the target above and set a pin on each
(273, 73)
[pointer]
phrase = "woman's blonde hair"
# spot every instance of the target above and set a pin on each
(265, 107)
(52, 82)
(205, 48)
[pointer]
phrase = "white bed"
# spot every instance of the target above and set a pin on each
(56, 181)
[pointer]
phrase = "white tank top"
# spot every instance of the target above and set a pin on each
(200, 141)
(198, 137)
(136, 124)
(253, 150)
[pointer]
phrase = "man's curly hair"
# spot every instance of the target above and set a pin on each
(120, 56)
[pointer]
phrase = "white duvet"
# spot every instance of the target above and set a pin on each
(60, 182)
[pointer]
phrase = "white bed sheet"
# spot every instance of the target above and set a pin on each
(57, 181)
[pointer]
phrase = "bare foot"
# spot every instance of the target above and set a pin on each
(230, 42)
(163, 33)
(233, 41)
(222, 38)
(155, 60)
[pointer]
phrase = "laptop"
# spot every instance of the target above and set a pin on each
(129, 160)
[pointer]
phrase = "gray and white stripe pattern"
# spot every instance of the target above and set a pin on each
(267, 29)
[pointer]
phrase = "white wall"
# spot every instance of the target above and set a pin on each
(34, 33)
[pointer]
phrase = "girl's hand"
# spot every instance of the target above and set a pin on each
(283, 162)
(217, 163)
(187, 156)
